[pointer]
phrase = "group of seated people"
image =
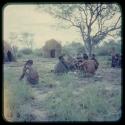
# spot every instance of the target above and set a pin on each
(83, 63)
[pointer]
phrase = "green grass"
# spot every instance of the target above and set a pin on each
(87, 103)
(20, 95)
(74, 98)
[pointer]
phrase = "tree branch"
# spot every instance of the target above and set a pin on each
(86, 17)
(64, 18)
(98, 13)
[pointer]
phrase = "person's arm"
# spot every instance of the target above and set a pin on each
(23, 74)
(97, 62)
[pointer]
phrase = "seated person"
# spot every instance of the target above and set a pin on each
(93, 58)
(85, 56)
(30, 73)
(89, 66)
(62, 66)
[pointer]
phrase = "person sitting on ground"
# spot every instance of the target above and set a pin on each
(62, 66)
(89, 66)
(85, 57)
(30, 73)
(71, 63)
(93, 58)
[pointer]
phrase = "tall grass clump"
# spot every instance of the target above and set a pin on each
(19, 97)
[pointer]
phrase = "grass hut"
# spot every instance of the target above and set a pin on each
(8, 53)
(52, 49)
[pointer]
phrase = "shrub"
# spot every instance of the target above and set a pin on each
(106, 48)
(102, 51)
(19, 55)
(26, 51)
(73, 48)
(38, 52)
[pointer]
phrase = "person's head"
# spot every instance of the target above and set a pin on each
(117, 55)
(60, 57)
(93, 55)
(29, 62)
(85, 56)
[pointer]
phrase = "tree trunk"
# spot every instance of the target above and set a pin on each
(89, 48)
(90, 51)
(85, 42)
(86, 49)
(89, 43)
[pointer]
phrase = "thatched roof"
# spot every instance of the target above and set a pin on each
(52, 48)
(52, 44)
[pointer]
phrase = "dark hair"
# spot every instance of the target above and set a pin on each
(60, 57)
(85, 56)
(29, 62)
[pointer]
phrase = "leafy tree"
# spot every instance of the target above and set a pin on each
(27, 39)
(94, 21)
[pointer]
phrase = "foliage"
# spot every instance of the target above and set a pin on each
(105, 49)
(27, 39)
(86, 17)
(38, 52)
(19, 55)
(26, 51)
(73, 48)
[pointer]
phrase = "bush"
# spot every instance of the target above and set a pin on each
(73, 48)
(26, 51)
(102, 51)
(19, 55)
(38, 52)
(106, 48)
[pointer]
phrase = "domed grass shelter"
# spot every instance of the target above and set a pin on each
(8, 53)
(52, 49)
